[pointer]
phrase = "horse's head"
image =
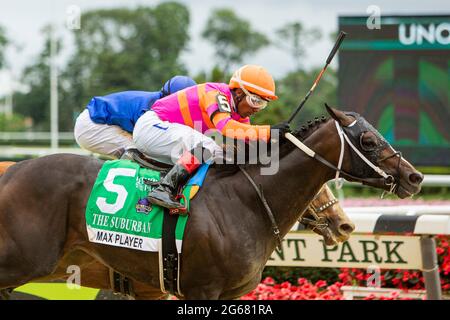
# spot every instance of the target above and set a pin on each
(325, 217)
(370, 159)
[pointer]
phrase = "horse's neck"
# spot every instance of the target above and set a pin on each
(298, 180)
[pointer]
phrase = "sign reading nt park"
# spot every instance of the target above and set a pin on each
(300, 249)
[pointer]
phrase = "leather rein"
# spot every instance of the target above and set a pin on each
(319, 222)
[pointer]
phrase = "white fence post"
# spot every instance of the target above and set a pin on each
(430, 268)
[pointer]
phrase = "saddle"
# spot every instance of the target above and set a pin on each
(144, 161)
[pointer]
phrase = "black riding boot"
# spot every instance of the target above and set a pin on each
(164, 194)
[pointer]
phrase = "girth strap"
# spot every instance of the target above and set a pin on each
(169, 257)
(259, 192)
(120, 284)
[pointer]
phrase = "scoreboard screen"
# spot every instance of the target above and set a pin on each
(398, 78)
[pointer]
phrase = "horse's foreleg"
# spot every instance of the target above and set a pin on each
(28, 249)
(15, 267)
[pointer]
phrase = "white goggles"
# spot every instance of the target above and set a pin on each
(254, 100)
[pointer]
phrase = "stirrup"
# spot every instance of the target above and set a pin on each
(151, 183)
(180, 211)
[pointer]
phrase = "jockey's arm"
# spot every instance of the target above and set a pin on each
(238, 130)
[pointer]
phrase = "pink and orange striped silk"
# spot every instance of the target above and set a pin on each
(197, 107)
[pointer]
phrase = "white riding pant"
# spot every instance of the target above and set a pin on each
(109, 140)
(165, 141)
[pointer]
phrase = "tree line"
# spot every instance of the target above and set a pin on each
(138, 49)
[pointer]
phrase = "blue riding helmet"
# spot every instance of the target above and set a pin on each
(175, 84)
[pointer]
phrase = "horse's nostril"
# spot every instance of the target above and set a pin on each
(416, 178)
(346, 228)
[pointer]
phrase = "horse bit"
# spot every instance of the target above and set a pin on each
(320, 221)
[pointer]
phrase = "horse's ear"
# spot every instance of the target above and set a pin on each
(339, 116)
(333, 113)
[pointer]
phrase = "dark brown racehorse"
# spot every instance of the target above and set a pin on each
(324, 216)
(228, 238)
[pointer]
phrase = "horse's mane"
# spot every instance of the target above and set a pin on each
(302, 133)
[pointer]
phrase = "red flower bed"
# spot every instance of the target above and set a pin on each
(268, 289)
(305, 290)
(404, 279)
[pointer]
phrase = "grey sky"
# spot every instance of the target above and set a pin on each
(23, 20)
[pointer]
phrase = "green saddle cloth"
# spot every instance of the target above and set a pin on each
(118, 213)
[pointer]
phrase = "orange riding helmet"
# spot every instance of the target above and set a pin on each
(255, 79)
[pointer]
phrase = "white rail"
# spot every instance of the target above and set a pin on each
(12, 152)
(34, 136)
(430, 180)
(406, 210)
(438, 180)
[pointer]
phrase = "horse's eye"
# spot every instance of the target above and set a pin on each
(368, 141)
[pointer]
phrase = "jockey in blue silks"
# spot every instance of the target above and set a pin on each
(106, 125)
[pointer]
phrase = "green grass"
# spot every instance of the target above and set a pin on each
(58, 291)
(434, 170)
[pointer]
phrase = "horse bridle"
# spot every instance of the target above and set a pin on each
(320, 221)
(389, 180)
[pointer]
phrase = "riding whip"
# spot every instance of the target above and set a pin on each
(339, 40)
